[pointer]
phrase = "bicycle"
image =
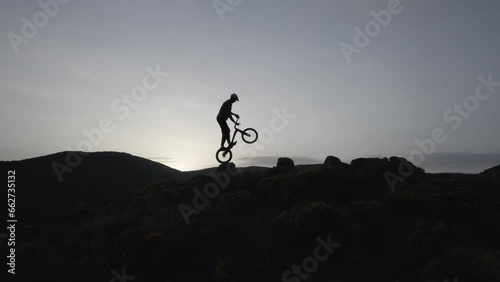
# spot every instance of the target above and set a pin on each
(248, 135)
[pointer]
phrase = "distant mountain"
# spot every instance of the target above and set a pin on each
(42, 197)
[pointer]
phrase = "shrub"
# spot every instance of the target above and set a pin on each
(220, 273)
(155, 237)
(425, 234)
(306, 218)
(466, 263)
(237, 202)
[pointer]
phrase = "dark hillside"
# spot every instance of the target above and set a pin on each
(42, 197)
(332, 222)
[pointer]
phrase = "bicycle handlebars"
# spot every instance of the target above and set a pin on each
(236, 123)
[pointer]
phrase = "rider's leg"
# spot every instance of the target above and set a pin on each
(225, 133)
(222, 142)
(221, 124)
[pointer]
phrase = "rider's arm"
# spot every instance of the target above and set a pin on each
(232, 119)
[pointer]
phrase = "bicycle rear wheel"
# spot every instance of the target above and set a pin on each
(223, 156)
(249, 135)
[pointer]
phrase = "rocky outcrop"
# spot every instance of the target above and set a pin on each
(394, 166)
(285, 165)
(226, 167)
(493, 172)
(332, 161)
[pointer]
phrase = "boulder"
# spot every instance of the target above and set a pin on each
(332, 161)
(374, 165)
(396, 165)
(285, 165)
(227, 167)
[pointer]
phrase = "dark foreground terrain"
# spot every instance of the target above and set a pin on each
(120, 218)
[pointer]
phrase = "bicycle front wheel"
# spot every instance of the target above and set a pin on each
(223, 156)
(249, 135)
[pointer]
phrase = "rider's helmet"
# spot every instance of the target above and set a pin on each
(234, 97)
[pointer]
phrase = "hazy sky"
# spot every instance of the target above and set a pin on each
(74, 71)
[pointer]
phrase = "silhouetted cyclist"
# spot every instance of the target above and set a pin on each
(224, 114)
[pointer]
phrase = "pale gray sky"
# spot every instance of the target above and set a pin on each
(274, 54)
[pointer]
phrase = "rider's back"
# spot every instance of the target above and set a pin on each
(225, 110)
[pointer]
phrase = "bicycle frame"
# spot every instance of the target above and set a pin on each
(236, 130)
(249, 132)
